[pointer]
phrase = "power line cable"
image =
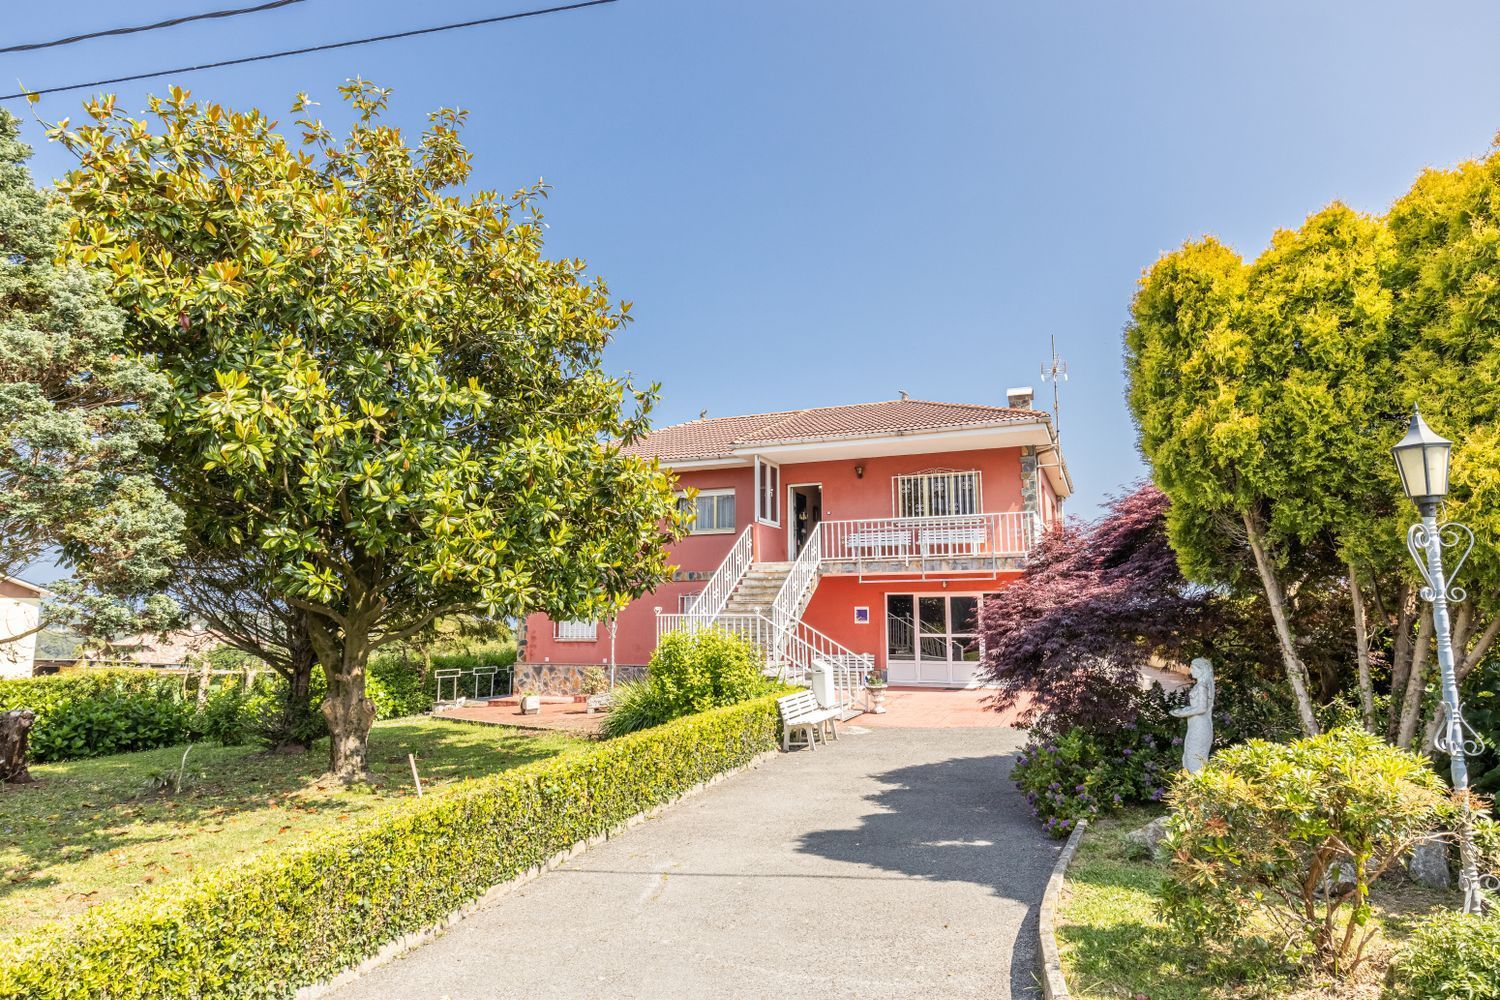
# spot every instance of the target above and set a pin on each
(304, 51)
(169, 23)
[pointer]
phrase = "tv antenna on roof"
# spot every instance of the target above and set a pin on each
(1056, 371)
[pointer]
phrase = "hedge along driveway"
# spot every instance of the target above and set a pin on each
(264, 928)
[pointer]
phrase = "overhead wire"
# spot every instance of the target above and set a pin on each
(243, 60)
(134, 29)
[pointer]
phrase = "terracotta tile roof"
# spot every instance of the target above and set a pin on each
(718, 437)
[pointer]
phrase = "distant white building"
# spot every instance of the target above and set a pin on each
(20, 611)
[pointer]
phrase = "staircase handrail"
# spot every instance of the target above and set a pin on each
(787, 607)
(720, 586)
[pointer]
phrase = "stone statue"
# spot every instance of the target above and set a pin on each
(1199, 742)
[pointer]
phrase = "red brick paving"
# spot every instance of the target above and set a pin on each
(929, 708)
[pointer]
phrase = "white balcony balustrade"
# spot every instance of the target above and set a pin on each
(960, 542)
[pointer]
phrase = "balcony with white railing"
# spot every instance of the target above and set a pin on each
(958, 543)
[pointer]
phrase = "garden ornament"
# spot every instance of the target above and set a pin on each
(1199, 710)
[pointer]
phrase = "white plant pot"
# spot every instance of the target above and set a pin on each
(531, 704)
(877, 698)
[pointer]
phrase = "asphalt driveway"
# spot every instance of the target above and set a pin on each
(893, 863)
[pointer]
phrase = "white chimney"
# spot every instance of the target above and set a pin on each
(1020, 397)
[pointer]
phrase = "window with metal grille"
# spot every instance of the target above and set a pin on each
(575, 631)
(937, 494)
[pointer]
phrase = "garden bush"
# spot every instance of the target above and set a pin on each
(300, 914)
(1079, 775)
(1449, 955)
(98, 712)
(1281, 841)
(1073, 772)
(689, 672)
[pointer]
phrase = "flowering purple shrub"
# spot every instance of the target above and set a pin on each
(1079, 773)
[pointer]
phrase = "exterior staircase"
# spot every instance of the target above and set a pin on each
(757, 589)
(763, 602)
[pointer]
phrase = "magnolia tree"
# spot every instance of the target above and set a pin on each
(75, 415)
(381, 386)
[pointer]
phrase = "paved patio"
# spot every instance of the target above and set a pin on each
(894, 863)
(929, 708)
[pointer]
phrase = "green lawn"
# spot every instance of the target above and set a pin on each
(96, 830)
(1113, 944)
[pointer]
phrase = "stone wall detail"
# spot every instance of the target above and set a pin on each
(1030, 501)
(566, 678)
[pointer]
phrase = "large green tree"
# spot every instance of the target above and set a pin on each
(1268, 394)
(1243, 380)
(75, 408)
(379, 383)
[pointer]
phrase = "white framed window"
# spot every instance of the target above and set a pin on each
(575, 631)
(767, 492)
(715, 512)
(685, 601)
(940, 493)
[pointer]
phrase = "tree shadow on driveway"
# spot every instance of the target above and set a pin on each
(956, 820)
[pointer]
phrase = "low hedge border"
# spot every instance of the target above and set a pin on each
(280, 922)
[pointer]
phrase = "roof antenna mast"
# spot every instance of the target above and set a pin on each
(1056, 371)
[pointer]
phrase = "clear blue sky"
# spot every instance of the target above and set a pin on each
(825, 202)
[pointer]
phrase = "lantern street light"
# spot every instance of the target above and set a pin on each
(1422, 459)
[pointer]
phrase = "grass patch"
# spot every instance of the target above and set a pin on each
(98, 830)
(1114, 945)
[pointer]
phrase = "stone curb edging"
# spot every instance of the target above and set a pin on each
(394, 949)
(1054, 986)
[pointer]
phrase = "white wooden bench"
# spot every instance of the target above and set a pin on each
(957, 540)
(801, 712)
(879, 542)
(598, 702)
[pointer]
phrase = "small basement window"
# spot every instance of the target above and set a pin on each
(575, 631)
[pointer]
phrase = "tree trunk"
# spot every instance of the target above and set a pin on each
(1401, 657)
(1296, 670)
(349, 711)
(15, 734)
(298, 712)
(1416, 683)
(1362, 652)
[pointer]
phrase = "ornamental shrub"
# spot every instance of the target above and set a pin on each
(98, 712)
(292, 917)
(1286, 839)
(1079, 773)
(689, 672)
(1449, 955)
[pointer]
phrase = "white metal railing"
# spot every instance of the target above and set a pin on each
(789, 654)
(715, 594)
(754, 628)
(924, 539)
(792, 597)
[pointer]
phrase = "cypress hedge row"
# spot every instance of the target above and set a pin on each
(287, 919)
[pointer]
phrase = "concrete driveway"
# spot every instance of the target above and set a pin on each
(893, 863)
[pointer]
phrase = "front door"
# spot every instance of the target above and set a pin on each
(806, 504)
(932, 639)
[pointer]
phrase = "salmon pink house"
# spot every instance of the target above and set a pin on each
(844, 540)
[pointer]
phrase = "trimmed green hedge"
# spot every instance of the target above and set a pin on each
(99, 712)
(284, 920)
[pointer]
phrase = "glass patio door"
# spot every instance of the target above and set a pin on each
(932, 639)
